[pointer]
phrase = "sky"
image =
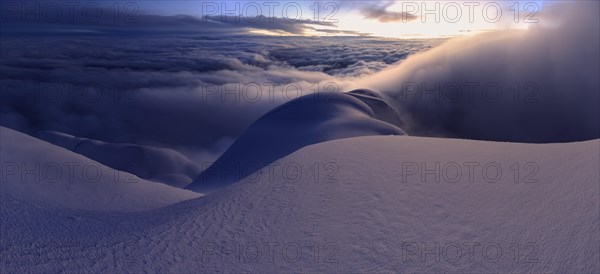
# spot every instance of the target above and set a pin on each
(395, 19)
(391, 19)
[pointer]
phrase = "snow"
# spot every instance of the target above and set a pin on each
(44, 174)
(156, 164)
(356, 201)
(315, 118)
(381, 106)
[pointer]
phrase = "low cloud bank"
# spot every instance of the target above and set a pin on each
(538, 85)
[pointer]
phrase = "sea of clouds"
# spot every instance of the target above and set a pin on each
(188, 92)
(196, 91)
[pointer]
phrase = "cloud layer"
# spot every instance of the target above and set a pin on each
(187, 92)
(198, 93)
(539, 85)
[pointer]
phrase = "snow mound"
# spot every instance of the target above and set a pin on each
(156, 164)
(304, 121)
(37, 171)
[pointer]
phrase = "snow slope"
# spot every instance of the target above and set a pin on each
(380, 106)
(304, 121)
(157, 164)
(366, 210)
(48, 175)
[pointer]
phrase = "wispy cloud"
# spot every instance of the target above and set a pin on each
(383, 15)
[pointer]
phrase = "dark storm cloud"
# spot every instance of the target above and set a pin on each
(74, 18)
(221, 25)
(383, 15)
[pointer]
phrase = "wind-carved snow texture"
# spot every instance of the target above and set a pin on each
(365, 215)
(304, 121)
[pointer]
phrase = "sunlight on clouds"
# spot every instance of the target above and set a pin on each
(443, 19)
(268, 32)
